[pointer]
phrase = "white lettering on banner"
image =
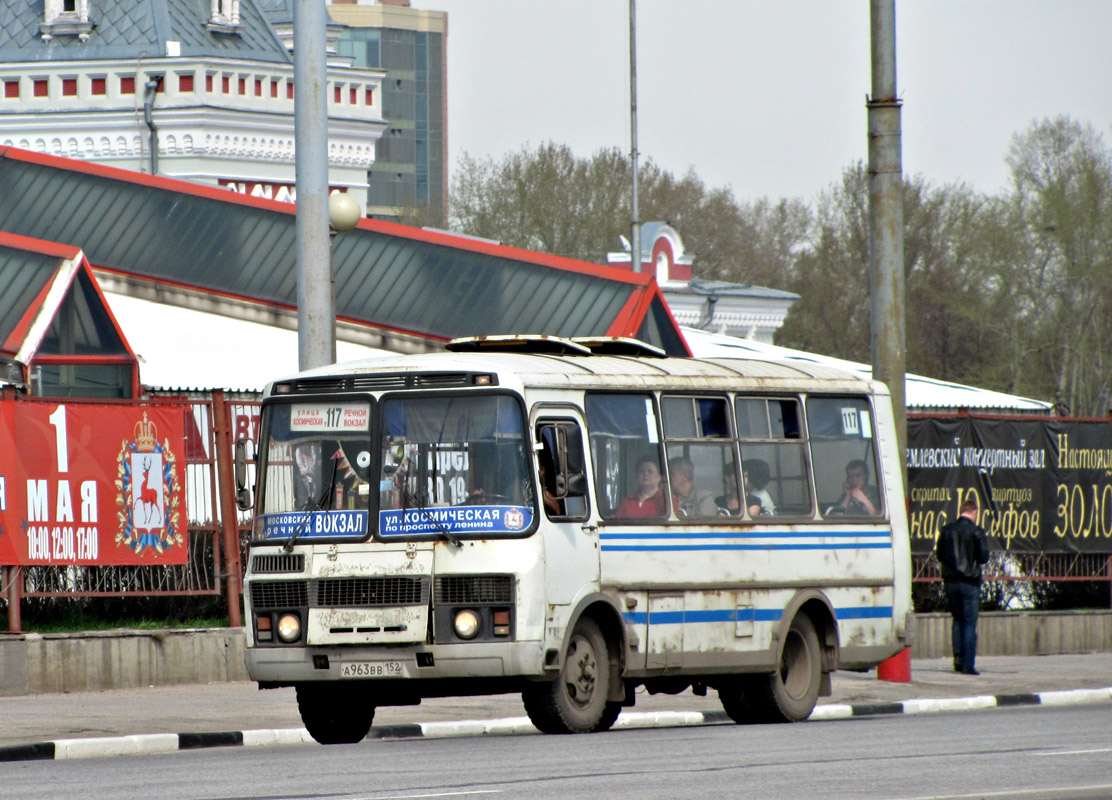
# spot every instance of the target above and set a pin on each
(64, 512)
(3, 493)
(38, 543)
(37, 501)
(88, 501)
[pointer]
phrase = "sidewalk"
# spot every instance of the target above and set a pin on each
(240, 706)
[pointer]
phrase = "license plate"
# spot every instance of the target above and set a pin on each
(372, 669)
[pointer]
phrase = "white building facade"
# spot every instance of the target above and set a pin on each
(201, 90)
(748, 312)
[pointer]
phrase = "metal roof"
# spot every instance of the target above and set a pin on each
(132, 29)
(921, 393)
(25, 275)
(391, 276)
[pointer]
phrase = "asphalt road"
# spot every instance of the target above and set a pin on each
(1025, 752)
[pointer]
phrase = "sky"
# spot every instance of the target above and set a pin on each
(769, 98)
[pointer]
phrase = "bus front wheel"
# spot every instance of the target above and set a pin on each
(335, 713)
(576, 701)
(790, 693)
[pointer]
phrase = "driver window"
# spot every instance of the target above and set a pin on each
(560, 470)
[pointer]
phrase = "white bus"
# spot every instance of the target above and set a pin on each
(572, 520)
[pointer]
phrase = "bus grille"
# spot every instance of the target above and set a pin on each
(362, 592)
(284, 562)
(474, 589)
(279, 594)
(340, 593)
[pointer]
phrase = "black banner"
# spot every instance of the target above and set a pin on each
(1042, 485)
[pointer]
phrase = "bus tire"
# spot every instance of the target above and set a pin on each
(335, 713)
(576, 701)
(790, 693)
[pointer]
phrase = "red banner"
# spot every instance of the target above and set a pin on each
(92, 484)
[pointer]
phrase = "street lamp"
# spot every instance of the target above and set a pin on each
(343, 215)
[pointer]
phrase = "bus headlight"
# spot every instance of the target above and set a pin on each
(466, 624)
(289, 628)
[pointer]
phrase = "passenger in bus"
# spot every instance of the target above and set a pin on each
(756, 473)
(729, 504)
(858, 499)
(648, 500)
(687, 498)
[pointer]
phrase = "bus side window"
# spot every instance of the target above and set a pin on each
(842, 442)
(563, 474)
(625, 444)
(774, 454)
(702, 461)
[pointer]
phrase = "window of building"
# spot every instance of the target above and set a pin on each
(65, 18)
(69, 87)
(98, 86)
(185, 83)
(224, 17)
(11, 89)
(40, 87)
(127, 85)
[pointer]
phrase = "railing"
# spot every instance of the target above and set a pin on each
(217, 530)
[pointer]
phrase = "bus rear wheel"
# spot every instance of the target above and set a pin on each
(790, 693)
(335, 713)
(576, 702)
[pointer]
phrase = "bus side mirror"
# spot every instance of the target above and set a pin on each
(577, 485)
(243, 494)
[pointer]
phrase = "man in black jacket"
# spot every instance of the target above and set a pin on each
(962, 548)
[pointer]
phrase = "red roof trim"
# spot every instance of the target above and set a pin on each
(377, 226)
(56, 249)
(629, 320)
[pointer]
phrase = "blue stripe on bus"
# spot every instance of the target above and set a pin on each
(749, 535)
(674, 547)
(744, 615)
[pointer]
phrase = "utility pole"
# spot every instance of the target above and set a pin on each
(316, 305)
(886, 270)
(635, 212)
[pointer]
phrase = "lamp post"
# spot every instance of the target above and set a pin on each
(343, 215)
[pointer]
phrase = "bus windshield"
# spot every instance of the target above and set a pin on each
(446, 466)
(453, 465)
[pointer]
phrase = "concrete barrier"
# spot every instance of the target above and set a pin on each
(36, 663)
(1020, 633)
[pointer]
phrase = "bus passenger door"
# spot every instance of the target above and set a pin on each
(570, 538)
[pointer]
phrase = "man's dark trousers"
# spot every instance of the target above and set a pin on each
(964, 599)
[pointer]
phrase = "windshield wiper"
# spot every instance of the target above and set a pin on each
(312, 508)
(407, 497)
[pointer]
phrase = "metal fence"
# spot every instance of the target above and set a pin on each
(218, 532)
(217, 529)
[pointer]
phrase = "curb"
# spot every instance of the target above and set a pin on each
(147, 744)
